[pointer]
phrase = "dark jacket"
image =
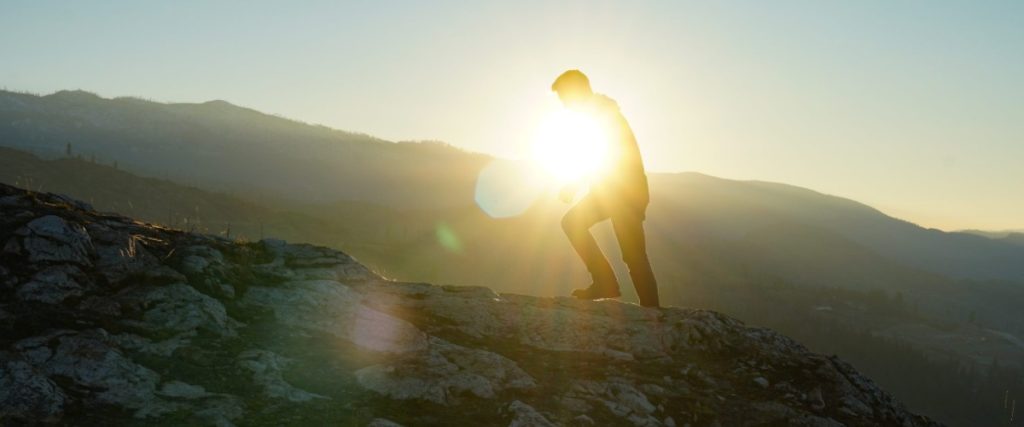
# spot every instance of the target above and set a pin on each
(624, 181)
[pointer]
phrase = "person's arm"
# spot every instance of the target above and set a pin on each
(568, 192)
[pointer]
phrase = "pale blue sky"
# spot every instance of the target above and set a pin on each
(915, 107)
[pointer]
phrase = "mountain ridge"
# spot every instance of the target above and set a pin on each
(163, 326)
(260, 156)
(231, 148)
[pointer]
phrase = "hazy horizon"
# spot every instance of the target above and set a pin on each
(912, 108)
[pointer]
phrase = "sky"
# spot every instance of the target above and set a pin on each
(913, 107)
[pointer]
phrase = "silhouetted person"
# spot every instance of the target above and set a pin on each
(618, 193)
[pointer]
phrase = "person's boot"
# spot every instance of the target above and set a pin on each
(597, 291)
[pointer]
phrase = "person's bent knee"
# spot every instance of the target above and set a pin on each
(568, 224)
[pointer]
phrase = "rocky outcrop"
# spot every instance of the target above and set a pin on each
(106, 320)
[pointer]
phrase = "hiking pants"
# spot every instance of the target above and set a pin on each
(628, 222)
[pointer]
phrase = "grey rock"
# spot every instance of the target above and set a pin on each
(180, 308)
(91, 360)
(628, 400)
(120, 254)
(816, 400)
(198, 258)
(303, 256)
(73, 202)
(442, 371)
(30, 345)
(275, 271)
(52, 285)
(12, 247)
(364, 344)
(27, 394)
(620, 397)
(220, 410)
(317, 274)
(14, 201)
(103, 306)
(215, 288)
(334, 308)
(381, 422)
(206, 252)
(583, 420)
(50, 238)
(7, 278)
(182, 390)
(274, 246)
(164, 348)
(193, 264)
(479, 312)
(653, 390)
(524, 415)
(163, 274)
(781, 414)
(266, 370)
(857, 407)
(574, 405)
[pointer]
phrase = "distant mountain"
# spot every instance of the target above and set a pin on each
(732, 209)
(1015, 237)
(224, 147)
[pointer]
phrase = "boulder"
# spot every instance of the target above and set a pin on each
(51, 238)
(52, 285)
(27, 394)
(524, 415)
(266, 370)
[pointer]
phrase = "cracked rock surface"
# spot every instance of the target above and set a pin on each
(106, 320)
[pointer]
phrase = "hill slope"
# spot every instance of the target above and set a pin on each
(733, 208)
(108, 320)
(229, 148)
(223, 147)
(948, 324)
(157, 200)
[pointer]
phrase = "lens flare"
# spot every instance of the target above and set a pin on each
(447, 238)
(507, 188)
(571, 145)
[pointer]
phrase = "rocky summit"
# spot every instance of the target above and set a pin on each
(106, 320)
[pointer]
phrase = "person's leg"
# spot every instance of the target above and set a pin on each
(576, 223)
(629, 230)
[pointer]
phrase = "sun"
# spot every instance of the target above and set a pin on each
(570, 145)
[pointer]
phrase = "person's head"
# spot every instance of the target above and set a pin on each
(573, 88)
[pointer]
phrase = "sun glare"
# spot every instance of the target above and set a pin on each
(570, 145)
